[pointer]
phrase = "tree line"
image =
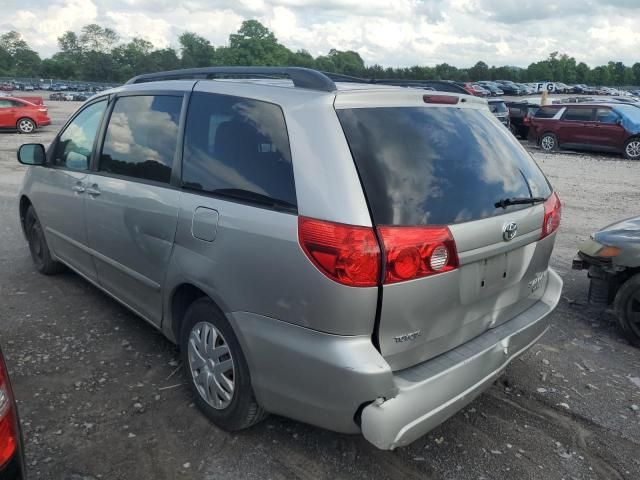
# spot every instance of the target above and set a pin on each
(96, 54)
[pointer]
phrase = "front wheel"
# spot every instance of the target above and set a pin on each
(26, 125)
(632, 149)
(548, 142)
(216, 368)
(627, 305)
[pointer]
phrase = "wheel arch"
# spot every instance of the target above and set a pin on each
(181, 297)
(25, 203)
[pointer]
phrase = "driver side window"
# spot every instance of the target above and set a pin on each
(75, 145)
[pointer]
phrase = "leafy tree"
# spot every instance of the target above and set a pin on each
(480, 71)
(583, 73)
(94, 38)
(255, 44)
(196, 50)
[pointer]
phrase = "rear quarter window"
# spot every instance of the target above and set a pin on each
(237, 144)
(547, 112)
(438, 165)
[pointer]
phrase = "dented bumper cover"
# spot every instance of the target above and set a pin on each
(431, 392)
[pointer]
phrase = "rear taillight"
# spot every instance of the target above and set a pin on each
(552, 215)
(443, 99)
(345, 253)
(8, 420)
(414, 252)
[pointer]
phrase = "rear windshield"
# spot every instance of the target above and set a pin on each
(438, 165)
(498, 107)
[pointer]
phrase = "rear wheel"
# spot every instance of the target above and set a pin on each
(632, 149)
(627, 305)
(38, 247)
(26, 125)
(216, 368)
(548, 142)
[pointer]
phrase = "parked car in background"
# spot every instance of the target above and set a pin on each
(483, 91)
(6, 87)
(17, 114)
(58, 96)
(500, 111)
(509, 88)
(408, 304)
(12, 466)
(612, 258)
(520, 114)
(607, 127)
(492, 87)
(474, 89)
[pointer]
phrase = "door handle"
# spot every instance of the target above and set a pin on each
(78, 188)
(93, 190)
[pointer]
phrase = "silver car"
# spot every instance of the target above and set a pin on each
(360, 257)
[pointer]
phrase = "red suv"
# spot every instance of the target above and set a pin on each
(596, 126)
(16, 113)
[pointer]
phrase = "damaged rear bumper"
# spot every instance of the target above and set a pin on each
(431, 392)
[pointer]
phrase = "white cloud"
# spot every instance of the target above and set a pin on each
(389, 32)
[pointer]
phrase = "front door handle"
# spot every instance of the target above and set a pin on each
(78, 188)
(93, 190)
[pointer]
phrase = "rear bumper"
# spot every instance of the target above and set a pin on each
(431, 392)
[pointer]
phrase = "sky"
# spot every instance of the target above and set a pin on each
(389, 32)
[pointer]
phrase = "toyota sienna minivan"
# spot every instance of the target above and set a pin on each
(365, 258)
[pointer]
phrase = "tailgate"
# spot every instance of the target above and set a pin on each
(496, 281)
(439, 167)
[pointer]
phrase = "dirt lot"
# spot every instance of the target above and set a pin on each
(100, 391)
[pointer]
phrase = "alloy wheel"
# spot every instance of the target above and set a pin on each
(26, 126)
(548, 142)
(211, 365)
(633, 149)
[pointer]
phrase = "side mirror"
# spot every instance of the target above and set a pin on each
(618, 121)
(32, 154)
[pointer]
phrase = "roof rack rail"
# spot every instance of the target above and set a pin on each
(301, 77)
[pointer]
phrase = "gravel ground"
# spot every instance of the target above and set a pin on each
(101, 396)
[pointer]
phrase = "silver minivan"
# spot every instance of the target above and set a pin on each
(361, 257)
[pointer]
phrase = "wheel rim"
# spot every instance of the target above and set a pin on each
(547, 142)
(633, 149)
(633, 312)
(26, 126)
(211, 365)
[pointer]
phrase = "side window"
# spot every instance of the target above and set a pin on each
(235, 146)
(547, 112)
(578, 114)
(5, 104)
(75, 145)
(606, 115)
(141, 137)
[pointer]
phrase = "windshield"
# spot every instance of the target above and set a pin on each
(438, 165)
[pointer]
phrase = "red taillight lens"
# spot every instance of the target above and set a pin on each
(345, 253)
(414, 252)
(552, 215)
(8, 427)
(443, 99)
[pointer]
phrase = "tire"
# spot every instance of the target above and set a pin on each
(26, 125)
(40, 253)
(632, 149)
(627, 305)
(225, 396)
(548, 142)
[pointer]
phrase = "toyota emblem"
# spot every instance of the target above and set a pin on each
(509, 231)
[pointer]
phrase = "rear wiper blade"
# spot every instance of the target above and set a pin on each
(505, 202)
(250, 196)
